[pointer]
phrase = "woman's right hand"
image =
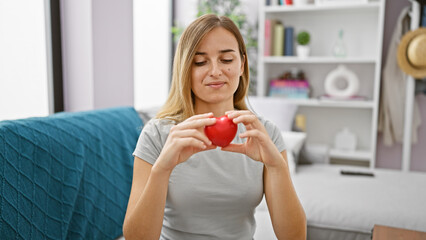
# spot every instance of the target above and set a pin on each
(184, 140)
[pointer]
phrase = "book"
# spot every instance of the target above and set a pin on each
(289, 88)
(423, 16)
(274, 2)
(272, 30)
(289, 41)
(268, 35)
(278, 40)
(289, 83)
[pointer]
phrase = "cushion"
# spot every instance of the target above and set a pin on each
(67, 176)
(147, 113)
(294, 142)
(276, 110)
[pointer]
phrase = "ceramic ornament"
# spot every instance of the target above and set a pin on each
(341, 73)
(345, 140)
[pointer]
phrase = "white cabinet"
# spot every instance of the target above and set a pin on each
(362, 24)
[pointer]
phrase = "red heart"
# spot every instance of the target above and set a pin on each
(222, 132)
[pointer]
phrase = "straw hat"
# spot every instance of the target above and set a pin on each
(412, 53)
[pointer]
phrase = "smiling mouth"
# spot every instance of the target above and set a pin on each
(216, 85)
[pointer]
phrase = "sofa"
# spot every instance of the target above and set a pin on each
(68, 175)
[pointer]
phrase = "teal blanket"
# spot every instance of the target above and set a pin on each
(67, 176)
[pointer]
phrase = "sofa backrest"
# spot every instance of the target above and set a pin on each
(68, 175)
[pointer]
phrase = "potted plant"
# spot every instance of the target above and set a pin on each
(303, 39)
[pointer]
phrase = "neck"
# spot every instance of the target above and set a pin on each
(218, 109)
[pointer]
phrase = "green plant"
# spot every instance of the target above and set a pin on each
(303, 38)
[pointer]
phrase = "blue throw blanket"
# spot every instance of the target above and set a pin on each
(67, 176)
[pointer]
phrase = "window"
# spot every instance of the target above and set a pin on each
(152, 48)
(24, 74)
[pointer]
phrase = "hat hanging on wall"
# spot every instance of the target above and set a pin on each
(412, 53)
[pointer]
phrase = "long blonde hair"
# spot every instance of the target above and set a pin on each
(180, 102)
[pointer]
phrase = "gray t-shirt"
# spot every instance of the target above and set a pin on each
(213, 195)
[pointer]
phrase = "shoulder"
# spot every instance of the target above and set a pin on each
(152, 139)
(274, 133)
(157, 130)
(156, 125)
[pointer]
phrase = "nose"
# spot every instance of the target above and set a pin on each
(215, 70)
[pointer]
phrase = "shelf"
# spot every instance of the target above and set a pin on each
(362, 155)
(313, 59)
(312, 102)
(312, 7)
(362, 23)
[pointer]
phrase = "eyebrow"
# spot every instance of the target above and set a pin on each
(221, 51)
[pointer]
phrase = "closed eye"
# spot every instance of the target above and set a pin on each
(227, 60)
(200, 63)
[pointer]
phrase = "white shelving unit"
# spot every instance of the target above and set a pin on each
(409, 97)
(362, 24)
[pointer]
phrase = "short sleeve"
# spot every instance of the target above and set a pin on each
(275, 134)
(150, 142)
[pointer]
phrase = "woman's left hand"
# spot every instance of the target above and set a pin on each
(259, 145)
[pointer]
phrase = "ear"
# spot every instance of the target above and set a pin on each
(243, 62)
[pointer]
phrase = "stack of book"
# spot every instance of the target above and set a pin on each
(278, 2)
(289, 88)
(279, 39)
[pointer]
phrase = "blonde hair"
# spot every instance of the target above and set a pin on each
(180, 102)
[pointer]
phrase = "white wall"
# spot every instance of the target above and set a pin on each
(112, 28)
(97, 53)
(77, 54)
(23, 60)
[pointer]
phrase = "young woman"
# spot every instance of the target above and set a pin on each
(183, 186)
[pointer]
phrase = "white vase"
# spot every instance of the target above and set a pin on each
(302, 51)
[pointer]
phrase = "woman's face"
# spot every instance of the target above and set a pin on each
(216, 67)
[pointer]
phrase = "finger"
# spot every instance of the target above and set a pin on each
(192, 133)
(191, 142)
(229, 112)
(200, 116)
(197, 123)
(237, 148)
(246, 119)
(210, 147)
(254, 133)
(249, 120)
(234, 114)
